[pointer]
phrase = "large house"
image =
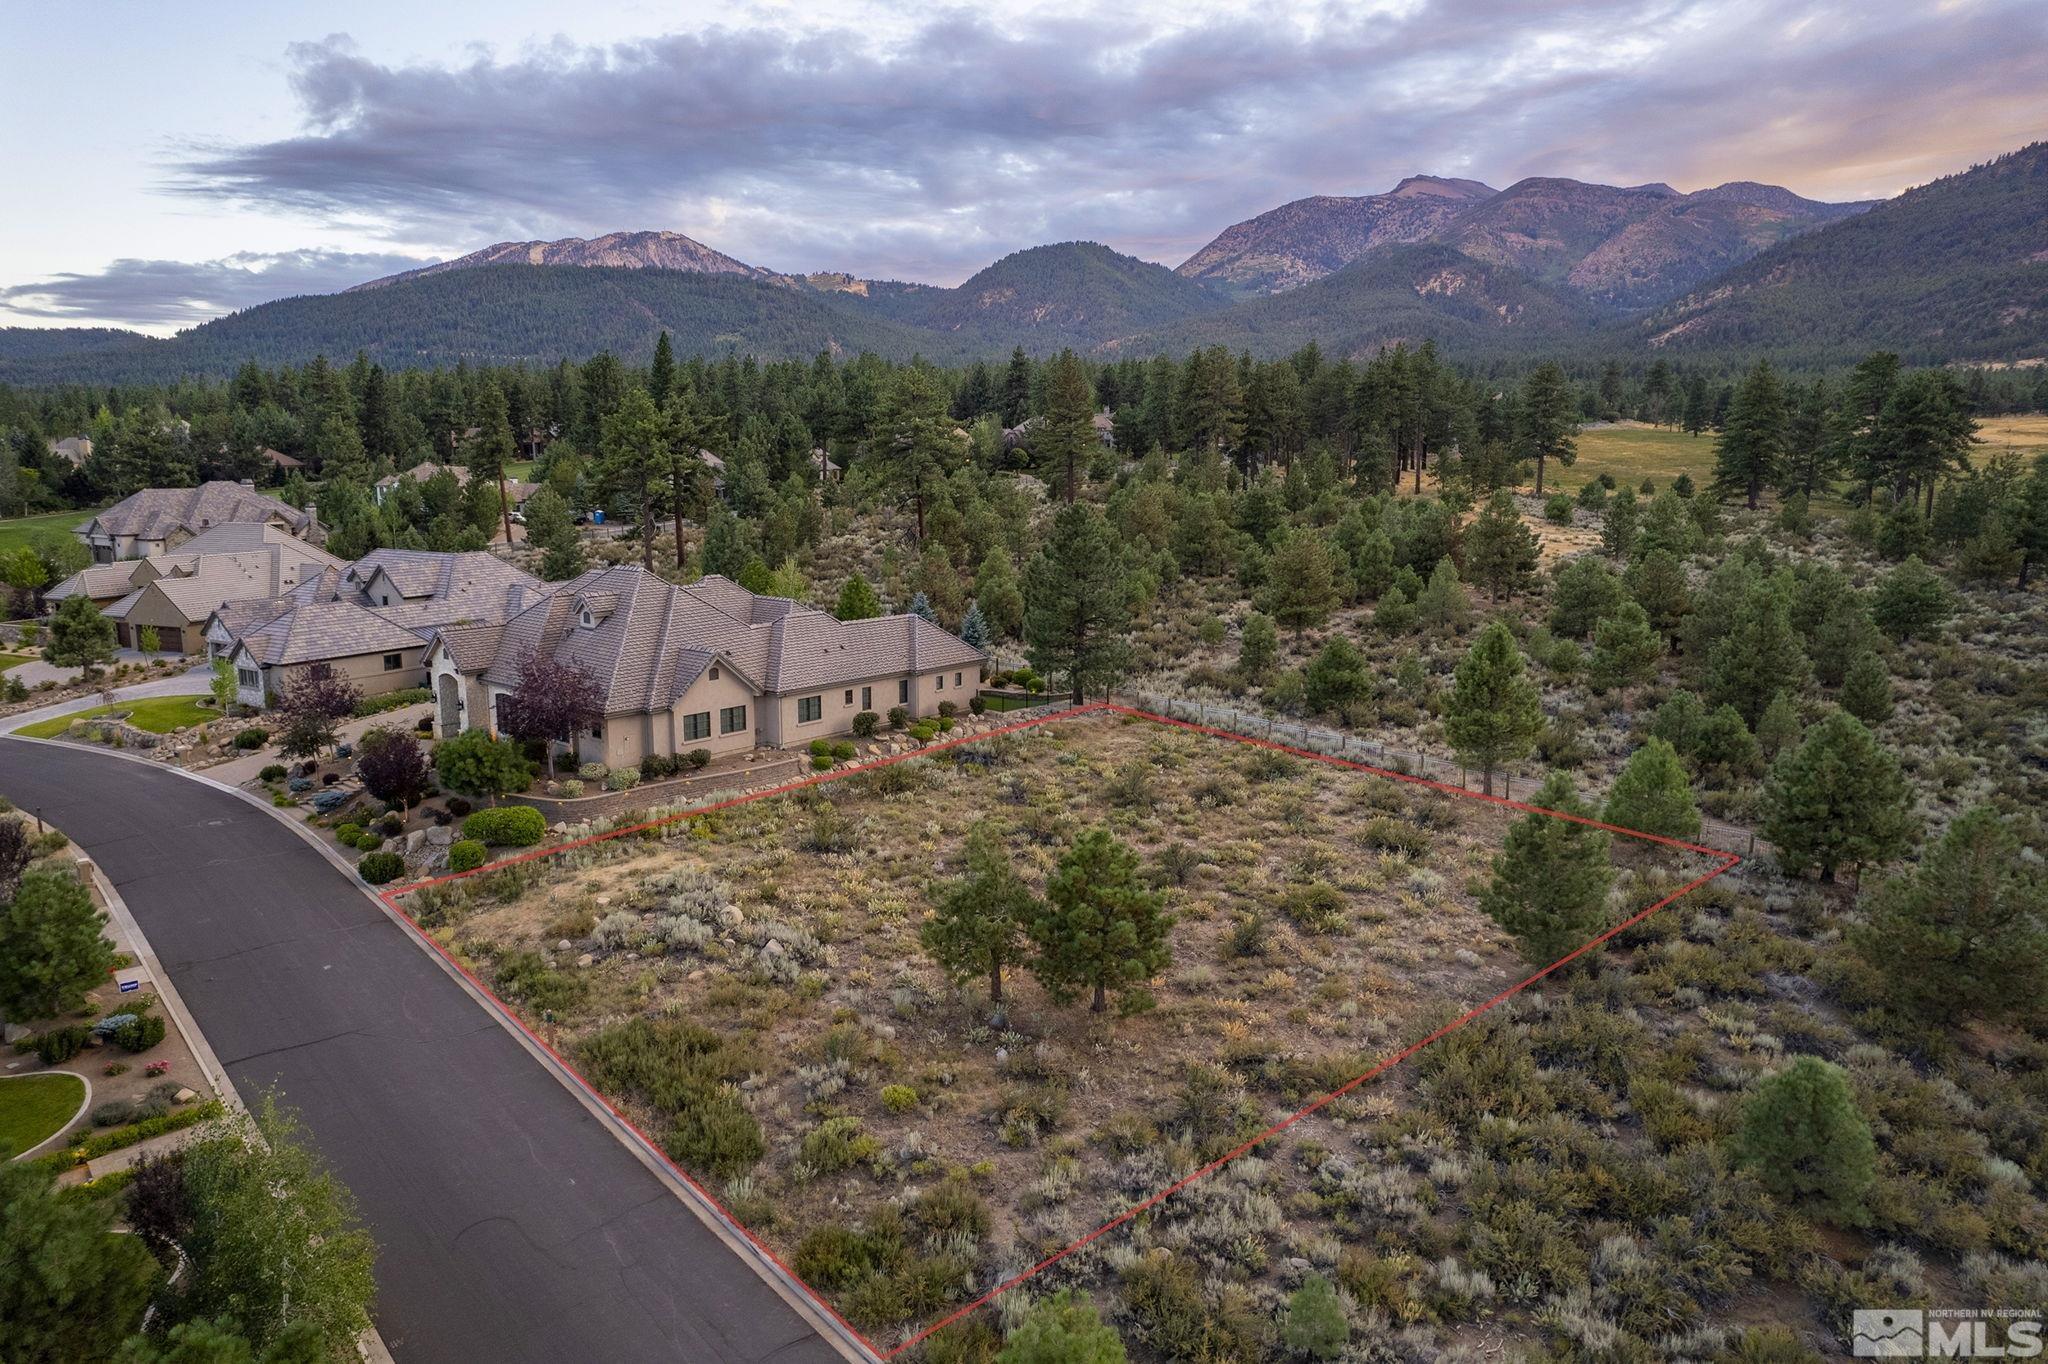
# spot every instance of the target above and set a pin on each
(370, 621)
(516, 492)
(705, 665)
(156, 520)
(176, 593)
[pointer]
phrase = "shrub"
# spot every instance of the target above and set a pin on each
(253, 737)
(865, 724)
(844, 751)
(1315, 1318)
(948, 710)
(459, 806)
(113, 1113)
(898, 717)
(837, 1144)
(976, 705)
(1803, 1134)
(924, 731)
(379, 867)
(1315, 908)
(348, 833)
(622, 779)
(506, 826)
(717, 1135)
(139, 1033)
(1392, 835)
(593, 771)
(391, 700)
(1558, 510)
(466, 855)
(898, 1098)
(821, 762)
(699, 757)
(59, 1045)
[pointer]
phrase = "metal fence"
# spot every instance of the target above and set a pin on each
(1301, 734)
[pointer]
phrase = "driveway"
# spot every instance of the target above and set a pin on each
(511, 1224)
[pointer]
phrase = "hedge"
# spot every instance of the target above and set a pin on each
(119, 1138)
(466, 855)
(391, 700)
(506, 826)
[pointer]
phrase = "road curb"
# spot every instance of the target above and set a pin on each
(785, 1285)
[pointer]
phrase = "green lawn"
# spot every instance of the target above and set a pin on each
(14, 532)
(34, 1108)
(157, 714)
(13, 660)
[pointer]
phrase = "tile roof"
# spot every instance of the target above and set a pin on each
(446, 588)
(650, 639)
(98, 581)
(325, 630)
(156, 513)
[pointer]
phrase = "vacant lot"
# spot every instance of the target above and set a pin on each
(762, 968)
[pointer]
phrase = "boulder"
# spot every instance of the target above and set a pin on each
(441, 835)
(414, 841)
(564, 945)
(10, 1033)
(184, 1095)
(585, 960)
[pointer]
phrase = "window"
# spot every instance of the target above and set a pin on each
(939, 682)
(714, 672)
(697, 726)
(903, 692)
(809, 708)
(956, 679)
(732, 719)
(867, 698)
(248, 678)
(393, 662)
(849, 696)
(597, 731)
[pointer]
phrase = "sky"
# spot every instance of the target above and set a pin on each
(169, 163)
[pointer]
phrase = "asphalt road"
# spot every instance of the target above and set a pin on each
(511, 1224)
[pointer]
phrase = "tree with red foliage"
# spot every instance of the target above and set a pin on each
(392, 767)
(551, 701)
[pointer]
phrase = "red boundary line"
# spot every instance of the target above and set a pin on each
(391, 896)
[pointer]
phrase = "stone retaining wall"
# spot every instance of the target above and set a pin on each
(768, 770)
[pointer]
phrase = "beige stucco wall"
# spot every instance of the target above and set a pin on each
(365, 671)
(629, 738)
(782, 729)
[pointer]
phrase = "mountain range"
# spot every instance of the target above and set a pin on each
(1955, 270)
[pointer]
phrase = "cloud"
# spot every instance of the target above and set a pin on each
(169, 293)
(923, 153)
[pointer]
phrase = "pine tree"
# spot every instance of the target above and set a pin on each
(1550, 881)
(1760, 654)
(1778, 730)
(1653, 795)
(1500, 552)
(1669, 525)
(1495, 712)
(1751, 447)
(1303, 584)
(978, 922)
(1077, 603)
(549, 526)
(661, 377)
(51, 948)
(1017, 389)
(920, 605)
(1548, 420)
(1867, 689)
(857, 600)
(1258, 645)
(974, 627)
(80, 637)
(70, 1288)
(1337, 681)
(914, 439)
(631, 458)
(1101, 930)
(1803, 1136)
(493, 446)
(1582, 591)
(1625, 650)
(1065, 435)
(996, 588)
(1837, 800)
(1965, 934)
(1442, 605)
(1618, 523)
(1912, 602)
(1657, 582)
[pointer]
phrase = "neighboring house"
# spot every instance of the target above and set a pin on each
(179, 592)
(708, 665)
(176, 593)
(824, 466)
(516, 492)
(279, 460)
(157, 520)
(73, 450)
(371, 621)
